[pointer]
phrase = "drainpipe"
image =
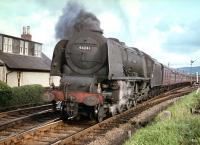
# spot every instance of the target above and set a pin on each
(7, 76)
(3, 73)
(18, 78)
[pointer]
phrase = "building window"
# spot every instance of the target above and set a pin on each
(21, 47)
(37, 50)
(26, 48)
(10, 45)
(1, 46)
(7, 45)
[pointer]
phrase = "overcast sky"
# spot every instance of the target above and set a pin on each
(165, 29)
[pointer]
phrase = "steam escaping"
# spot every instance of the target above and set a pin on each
(74, 19)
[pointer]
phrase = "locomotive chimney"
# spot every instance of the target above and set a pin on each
(26, 33)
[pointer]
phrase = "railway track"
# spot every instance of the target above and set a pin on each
(47, 134)
(10, 108)
(83, 132)
(9, 117)
(18, 121)
(172, 92)
(89, 134)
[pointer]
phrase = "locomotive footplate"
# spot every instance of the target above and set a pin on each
(131, 78)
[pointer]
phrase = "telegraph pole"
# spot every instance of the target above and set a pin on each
(191, 62)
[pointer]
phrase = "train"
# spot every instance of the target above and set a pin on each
(102, 76)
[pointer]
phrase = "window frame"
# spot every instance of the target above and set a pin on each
(37, 50)
(9, 50)
(5, 46)
(25, 48)
(21, 47)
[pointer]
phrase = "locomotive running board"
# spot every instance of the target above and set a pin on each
(131, 78)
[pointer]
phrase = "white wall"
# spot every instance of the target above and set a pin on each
(3, 72)
(41, 78)
(55, 80)
(11, 76)
(12, 80)
(28, 78)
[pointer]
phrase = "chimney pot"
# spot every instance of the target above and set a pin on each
(26, 33)
(24, 30)
(28, 29)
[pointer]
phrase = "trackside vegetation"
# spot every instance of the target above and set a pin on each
(26, 94)
(5, 94)
(181, 128)
(18, 96)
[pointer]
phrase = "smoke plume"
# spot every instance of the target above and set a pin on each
(74, 19)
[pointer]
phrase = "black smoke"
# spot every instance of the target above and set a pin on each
(74, 19)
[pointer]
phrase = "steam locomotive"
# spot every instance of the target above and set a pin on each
(102, 76)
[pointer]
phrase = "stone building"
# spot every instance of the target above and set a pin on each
(22, 61)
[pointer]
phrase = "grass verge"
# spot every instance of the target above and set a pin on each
(182, 128)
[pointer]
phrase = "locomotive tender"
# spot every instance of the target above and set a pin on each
(101, 76)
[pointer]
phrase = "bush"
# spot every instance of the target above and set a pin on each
(5, 94)
(28, 94)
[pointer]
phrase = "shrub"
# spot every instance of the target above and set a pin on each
(5, 94)
(28, 94)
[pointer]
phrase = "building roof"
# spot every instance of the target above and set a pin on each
(24, 62)
(10, 36)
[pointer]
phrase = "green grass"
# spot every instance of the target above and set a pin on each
(182, 128)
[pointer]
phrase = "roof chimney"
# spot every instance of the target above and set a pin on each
(24, 30)
(28, 29)
(26, 33)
